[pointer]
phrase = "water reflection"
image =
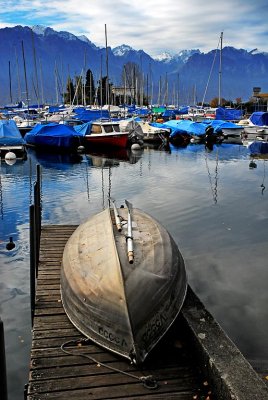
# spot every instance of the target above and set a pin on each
(113, 157)
(53, 160)
(212, 203)
(260, 161)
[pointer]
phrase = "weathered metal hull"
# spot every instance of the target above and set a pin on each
(123, 307)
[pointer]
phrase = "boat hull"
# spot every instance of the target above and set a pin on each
(254, 132)
(119, 140)
(123, 307)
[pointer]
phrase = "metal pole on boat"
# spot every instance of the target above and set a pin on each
(220, 69)
(25, 77)
(10, 86)
(130, 251)
(117, 218)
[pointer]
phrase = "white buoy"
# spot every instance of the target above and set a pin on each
(10, 155)
(80, 149)
(10, 158)
(135, 146)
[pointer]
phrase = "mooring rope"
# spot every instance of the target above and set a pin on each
(149, 382)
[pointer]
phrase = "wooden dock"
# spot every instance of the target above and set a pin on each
(195, 359)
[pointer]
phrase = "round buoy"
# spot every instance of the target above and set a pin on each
(81, 149)
(135, 146)
(10, 158)
(10, 155)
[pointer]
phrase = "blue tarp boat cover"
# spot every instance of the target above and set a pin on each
(131, 108)
(10, 134)
(228, 114)
(92, 115)
(11, 106)
(83, 129)
(259, 118)
(53, 109)
(258, 147)
(185, 126)
(52, 135)
(142, 111)
(175, 111)
(218, 124)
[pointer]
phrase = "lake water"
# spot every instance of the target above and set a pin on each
(213, 203)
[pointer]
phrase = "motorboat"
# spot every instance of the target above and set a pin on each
(104, 133)
(152, 133)
(123, 280)
(255, 127)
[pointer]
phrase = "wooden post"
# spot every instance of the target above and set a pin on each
(35, 232)
(37, 213)
(38, 181)
(36, 221)
(33, 260)
(3, 374)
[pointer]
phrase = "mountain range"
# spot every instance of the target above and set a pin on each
(38, 60)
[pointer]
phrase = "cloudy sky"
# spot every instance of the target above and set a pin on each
(156, 26)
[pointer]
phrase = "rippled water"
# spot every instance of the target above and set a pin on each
(214, 205)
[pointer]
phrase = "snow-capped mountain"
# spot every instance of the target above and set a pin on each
(181, 56)
(41, 30)
(64, 52)
(184, 55)
(122, 50)
(163, 57)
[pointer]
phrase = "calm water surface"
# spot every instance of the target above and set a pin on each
(214, 205)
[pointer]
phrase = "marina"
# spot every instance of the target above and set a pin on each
(133, 204)
(215, 209)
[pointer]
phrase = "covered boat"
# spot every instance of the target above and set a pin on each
(54, 137)
(11, 140)
(123, 281)
(256, 127)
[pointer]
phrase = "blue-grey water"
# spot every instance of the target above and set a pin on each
(214, 204)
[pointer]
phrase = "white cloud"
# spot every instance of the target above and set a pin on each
(153, 26)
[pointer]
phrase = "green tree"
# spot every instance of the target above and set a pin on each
(104, 93)
(90, 88)
(69, 94)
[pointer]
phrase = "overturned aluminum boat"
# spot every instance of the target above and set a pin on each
(123, 281)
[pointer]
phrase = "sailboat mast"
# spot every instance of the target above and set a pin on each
(178, 91)
(42, 83)
(10, 90)
(107, 71)
(25, 77)
(220, 69)
(35, 70)
(18, 76)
